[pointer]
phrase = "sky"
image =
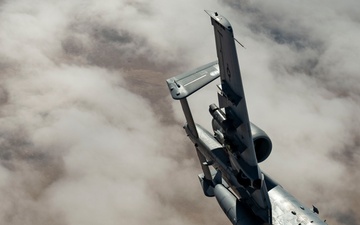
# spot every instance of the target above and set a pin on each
(90, 135)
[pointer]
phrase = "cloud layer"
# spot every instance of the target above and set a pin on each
(89, 135)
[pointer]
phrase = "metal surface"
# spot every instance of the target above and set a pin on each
(288, 210)
(229, 157)
(240, 144)
(187, 83)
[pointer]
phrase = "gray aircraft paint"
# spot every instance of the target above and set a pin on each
(229, 158)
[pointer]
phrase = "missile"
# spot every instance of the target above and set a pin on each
(220, 118)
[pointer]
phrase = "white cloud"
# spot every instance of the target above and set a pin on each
(87, 134)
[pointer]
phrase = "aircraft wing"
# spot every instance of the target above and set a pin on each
(231, 96)
(238, 132)
(187, 83)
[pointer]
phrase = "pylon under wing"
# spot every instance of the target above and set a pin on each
(235, 124)
(230, 155)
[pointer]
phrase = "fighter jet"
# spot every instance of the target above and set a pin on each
(229, 155)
